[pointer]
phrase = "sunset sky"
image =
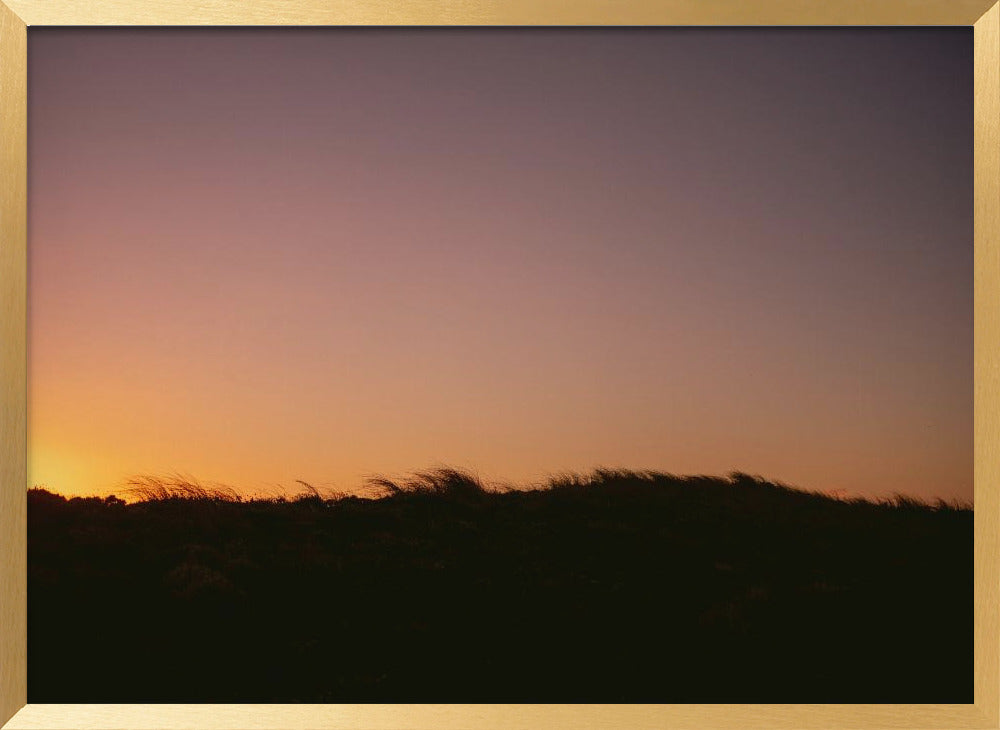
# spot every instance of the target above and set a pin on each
(263, 255)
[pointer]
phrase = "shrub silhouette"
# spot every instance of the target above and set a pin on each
(613, 586)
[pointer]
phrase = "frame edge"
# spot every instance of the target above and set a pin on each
(13, 401)
(499, 12)
(987, 360)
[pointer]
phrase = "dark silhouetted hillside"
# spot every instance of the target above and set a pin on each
(618, 587)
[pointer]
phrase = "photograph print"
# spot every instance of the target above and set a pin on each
(500, 365)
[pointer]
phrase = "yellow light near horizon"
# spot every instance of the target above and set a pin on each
(47, 470)
(59, 471)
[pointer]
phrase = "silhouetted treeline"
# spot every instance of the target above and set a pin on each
(617, 587)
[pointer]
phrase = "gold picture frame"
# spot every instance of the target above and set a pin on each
(15, 18)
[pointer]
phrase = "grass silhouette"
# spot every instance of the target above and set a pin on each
(615, 586)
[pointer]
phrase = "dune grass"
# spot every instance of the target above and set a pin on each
(612, 586)
(450, 481)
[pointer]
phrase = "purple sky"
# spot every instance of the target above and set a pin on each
(261, 255)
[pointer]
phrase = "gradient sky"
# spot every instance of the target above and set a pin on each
(264, 255)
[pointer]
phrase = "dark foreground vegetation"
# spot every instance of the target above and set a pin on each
(618, 587)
